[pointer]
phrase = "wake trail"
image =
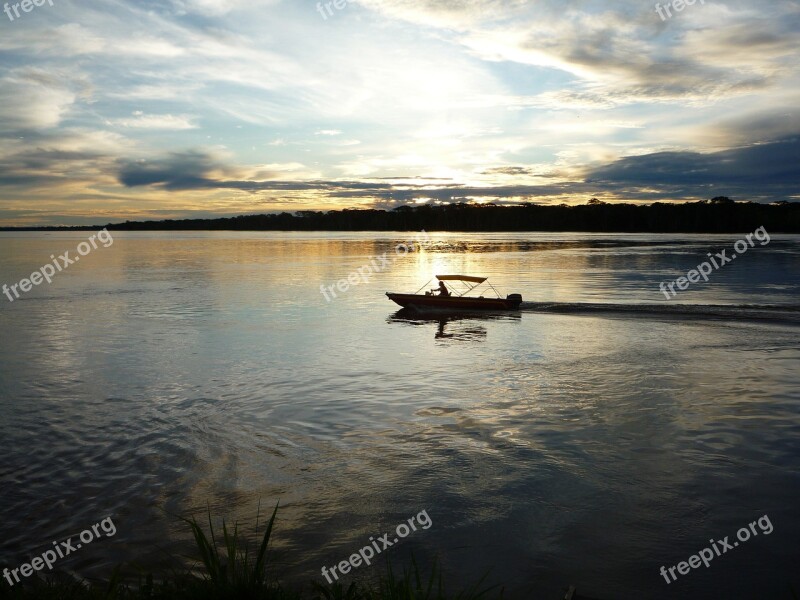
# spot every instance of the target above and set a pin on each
(745, 312)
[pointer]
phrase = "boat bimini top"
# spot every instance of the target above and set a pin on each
(468, 284)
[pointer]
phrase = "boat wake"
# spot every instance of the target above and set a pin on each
(788, 314)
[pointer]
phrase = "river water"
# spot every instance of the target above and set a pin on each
(598, 434)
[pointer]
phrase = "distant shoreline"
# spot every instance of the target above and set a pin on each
(715, 216)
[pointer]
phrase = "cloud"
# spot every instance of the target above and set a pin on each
(32, 98)
(177, 171)
(143, 121)
(759, 164)
(67, 159)
(217, 8)
(511, 171)
(67, 40)
(194, 170)
(624, 48)
(544, 100)
(766, 172)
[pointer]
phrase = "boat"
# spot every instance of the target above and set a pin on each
(457, 300)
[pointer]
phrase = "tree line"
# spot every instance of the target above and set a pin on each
(719, 215)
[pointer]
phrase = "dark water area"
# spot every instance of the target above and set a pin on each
(601, 432)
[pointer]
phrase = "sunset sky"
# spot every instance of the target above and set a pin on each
(114, 110)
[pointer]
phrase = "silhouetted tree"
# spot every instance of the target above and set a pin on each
(720, 215)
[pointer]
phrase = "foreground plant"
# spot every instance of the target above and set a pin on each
(411, 585)
(229, 569)
(226, 569)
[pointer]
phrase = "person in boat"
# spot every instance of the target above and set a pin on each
(443, 291)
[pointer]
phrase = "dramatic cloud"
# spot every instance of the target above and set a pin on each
(145, 109)
(771, 163)
(766, 172)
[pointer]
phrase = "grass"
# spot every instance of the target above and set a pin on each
(225, 569)
(230, 571)
(411, 585)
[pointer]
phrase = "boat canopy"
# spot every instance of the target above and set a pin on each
(461, 278)
(468, 282)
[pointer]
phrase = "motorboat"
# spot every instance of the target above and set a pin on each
(457, 293)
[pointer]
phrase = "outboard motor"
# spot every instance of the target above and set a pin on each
(516, 299)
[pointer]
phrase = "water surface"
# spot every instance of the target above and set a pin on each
(591, 438)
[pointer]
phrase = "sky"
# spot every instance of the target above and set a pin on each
(117, 110)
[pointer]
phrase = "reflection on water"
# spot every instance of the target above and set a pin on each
(462, 325)
(594, 436)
